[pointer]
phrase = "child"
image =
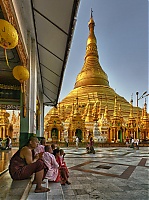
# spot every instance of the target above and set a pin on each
(62, 166)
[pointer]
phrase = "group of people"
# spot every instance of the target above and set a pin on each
(132, 142)
(45, 161)
(6, 143)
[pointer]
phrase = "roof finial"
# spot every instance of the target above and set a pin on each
(91, 13)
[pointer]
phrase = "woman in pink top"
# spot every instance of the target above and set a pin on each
(40, 149)
(50, 162)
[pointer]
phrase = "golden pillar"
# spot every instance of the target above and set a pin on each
(70, 135)
(110, 135)
(59, 134)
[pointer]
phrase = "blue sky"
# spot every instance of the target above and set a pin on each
(121, 30)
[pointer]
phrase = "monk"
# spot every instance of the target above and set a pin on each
(23, 165)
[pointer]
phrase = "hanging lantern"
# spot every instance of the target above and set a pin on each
(21, 74)
(8, 36)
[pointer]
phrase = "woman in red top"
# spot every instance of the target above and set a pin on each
(63, 174)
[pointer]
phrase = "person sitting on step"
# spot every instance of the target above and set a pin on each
(23, 165)
(50, 161)
(63, 174)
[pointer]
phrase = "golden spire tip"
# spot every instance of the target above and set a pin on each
(91, 13)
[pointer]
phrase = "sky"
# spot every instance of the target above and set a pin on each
(121, 30)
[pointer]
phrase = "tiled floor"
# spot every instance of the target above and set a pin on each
(110, 174)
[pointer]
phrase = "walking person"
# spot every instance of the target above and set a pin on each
(137, 143)
(77, 142)
(67, 142)
(132, 143)
(10, 143)
(127, 141)
(92, 145)
(7, 142)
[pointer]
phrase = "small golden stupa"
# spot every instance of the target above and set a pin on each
(93, 108)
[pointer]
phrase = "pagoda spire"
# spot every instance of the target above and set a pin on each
(115, 114)
(131, 108)
(91, 13)
(145, 110)
(92, 72)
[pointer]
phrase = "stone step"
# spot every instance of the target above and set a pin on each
(55, 192)
(19, 189)
(32, 195)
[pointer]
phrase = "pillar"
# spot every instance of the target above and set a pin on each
(109, 136)
(59, 134)
(28, 123)
(70, 136)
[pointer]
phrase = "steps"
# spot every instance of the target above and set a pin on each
(19, 189)
(55, 192)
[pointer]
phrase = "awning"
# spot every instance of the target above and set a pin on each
(54, 23)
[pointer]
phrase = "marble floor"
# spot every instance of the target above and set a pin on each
(113, 173)
(109, 174)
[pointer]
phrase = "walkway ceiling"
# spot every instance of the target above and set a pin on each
(51, 23)
(54, 23)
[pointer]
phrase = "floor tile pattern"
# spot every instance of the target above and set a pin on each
(113, 173)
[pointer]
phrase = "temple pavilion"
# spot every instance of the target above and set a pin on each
(93, 108)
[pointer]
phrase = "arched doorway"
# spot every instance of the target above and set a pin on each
(120, 137)
(79, 134)
(54, 134)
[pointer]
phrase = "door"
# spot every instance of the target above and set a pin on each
(79, 134)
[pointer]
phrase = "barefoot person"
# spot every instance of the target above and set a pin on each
(50, 161)
(77, 142)
(23, 165)
(63, 174)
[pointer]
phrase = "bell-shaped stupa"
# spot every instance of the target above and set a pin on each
(92, 84)
(93, 108)
(92, 95)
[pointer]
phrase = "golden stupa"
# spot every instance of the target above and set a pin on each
(93, 107)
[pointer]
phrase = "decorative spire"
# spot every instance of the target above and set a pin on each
(95, 112)
(115, 107)
(91, 13)
(106, 116)
(63, 117)
(91, 73)
(99, 108)
(89, 116)
(72, 111)
(120, 111)
(145, 110)
(131, 107)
